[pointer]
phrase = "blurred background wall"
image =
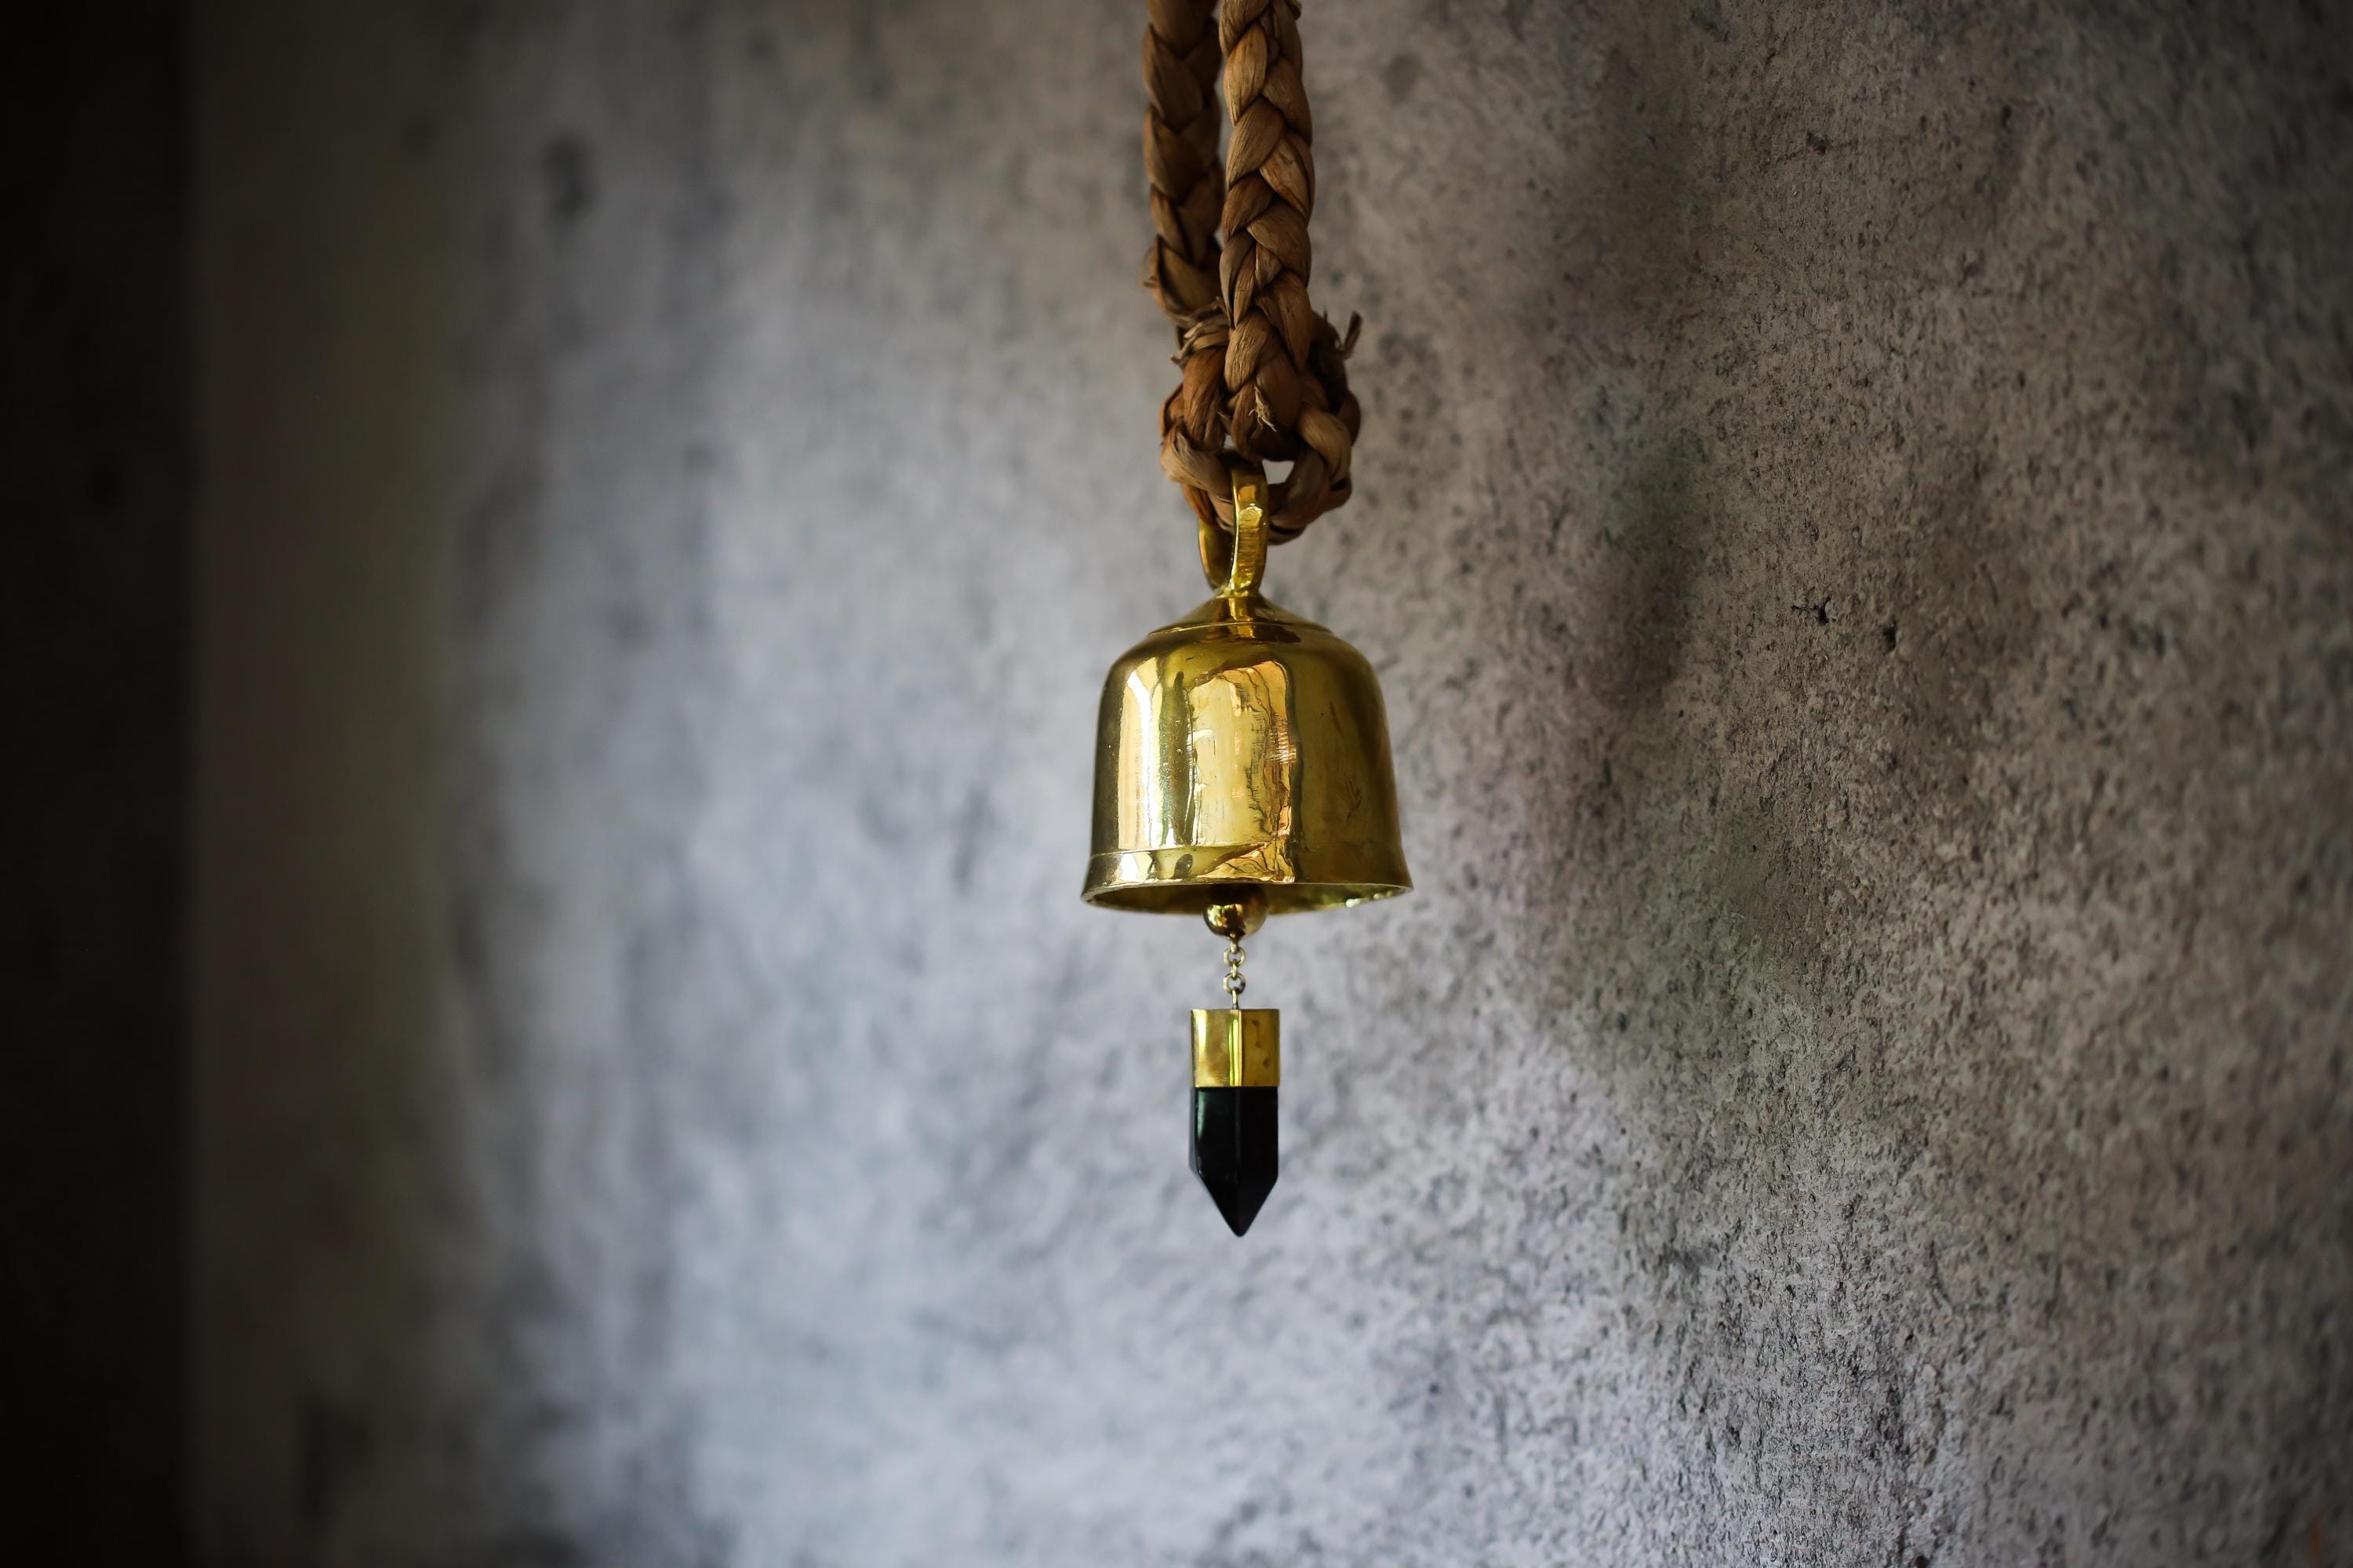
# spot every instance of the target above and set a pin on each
(1853, 521)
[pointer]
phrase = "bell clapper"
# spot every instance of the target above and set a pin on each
(1236, 1066)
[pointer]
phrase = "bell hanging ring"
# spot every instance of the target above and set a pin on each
(1241, 770)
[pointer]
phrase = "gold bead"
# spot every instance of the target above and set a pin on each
(1238, 916)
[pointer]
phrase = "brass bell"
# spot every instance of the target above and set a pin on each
(1242, 749)
(1241, 770)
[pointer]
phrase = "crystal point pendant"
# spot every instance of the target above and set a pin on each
(1234, 1149)
(1237, 1065)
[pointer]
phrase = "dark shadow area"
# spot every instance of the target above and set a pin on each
(93, 687)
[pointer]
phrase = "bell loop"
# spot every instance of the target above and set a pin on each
(1235, 563)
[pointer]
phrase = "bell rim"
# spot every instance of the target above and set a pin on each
(1123, 880)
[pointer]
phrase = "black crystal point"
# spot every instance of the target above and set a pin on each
(1234, 1149)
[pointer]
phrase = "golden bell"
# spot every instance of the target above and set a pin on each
(1242, 753)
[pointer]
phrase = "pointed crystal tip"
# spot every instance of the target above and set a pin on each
(1234, 1149)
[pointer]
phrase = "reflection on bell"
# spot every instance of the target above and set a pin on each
(1242, 747)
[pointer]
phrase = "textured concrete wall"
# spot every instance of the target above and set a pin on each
(1853, 518)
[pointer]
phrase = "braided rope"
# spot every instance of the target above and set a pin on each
(1180, 160)
(1264, 377)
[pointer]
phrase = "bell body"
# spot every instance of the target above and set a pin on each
(1242, 747)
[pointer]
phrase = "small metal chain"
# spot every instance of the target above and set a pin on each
(1235, 984)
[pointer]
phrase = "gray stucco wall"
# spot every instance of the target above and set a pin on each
(1853, 521)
